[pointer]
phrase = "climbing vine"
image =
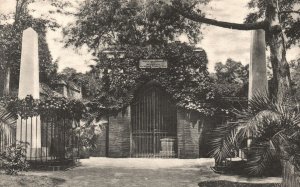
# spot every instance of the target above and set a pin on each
(186, 79)
(51, 106)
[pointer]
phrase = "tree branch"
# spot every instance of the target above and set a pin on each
(199, 18)
(289, 12)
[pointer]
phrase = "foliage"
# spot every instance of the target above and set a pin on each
(118, 22)
(57, 106)
(274, 129)
(232, 72)
(13, 159)
(289, 18)
(295, 76)
(231, 79)
(6, 118)
(186, 78)
(89, 129)
(87, 81)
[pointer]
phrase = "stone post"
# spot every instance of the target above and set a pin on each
(29, 130)
(258, 82)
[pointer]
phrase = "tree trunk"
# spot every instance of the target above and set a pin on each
(281, 72)
(280, 67)
(6, 90)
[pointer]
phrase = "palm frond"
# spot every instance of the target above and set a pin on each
(224, 141)
(259, 102)
(261, 155)
(273, 127)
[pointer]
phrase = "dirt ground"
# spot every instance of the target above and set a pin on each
(132, 172)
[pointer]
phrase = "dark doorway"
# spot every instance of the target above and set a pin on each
(154, 123)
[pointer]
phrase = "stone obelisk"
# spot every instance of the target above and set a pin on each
(258, 82)
(29, 130)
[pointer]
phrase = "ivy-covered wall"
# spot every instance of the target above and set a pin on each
(186, 78)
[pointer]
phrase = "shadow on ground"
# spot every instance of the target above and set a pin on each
(235, 184)
(30, 181)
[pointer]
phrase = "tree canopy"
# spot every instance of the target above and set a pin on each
(289, 17)
(231, 78)
(135, 22)
(231, 72)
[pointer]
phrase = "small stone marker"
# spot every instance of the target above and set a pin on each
(29, 130)
(258, 82)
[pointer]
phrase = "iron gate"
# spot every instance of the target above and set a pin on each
(154, 124)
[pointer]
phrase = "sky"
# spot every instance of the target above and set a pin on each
(219, 44)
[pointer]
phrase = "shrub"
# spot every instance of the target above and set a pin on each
(13, 159)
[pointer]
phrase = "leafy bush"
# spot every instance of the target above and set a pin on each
(13, 159)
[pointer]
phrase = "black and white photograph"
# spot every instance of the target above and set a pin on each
(150, 93)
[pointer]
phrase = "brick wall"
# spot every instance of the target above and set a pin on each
(193, 134)
(119, 135)
(100, 150)
(187, 136)
(207, 125)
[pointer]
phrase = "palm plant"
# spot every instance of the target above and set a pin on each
(273, 127)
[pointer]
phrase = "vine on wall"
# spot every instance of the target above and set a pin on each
(54, 106)
(186, 79)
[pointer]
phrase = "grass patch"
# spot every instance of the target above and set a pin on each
(235, 184)
(29, 180)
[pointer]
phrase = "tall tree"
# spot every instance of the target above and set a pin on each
(231, 78)
(295, 76)
(137, 22)
(279, 18)
(231, 72)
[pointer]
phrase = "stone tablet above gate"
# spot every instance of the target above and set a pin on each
(153, 63)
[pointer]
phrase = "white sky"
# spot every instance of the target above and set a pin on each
(219, 43)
